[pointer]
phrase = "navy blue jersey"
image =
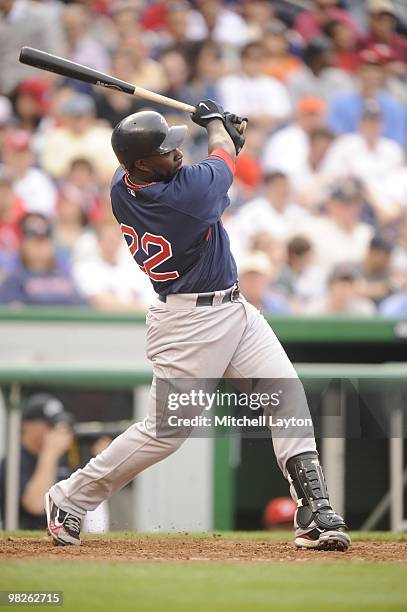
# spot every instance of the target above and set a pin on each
(174, 229)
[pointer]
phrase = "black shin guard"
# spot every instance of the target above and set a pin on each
(307, 477)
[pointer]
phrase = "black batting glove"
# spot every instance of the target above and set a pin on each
(235, 127)
(207, 110)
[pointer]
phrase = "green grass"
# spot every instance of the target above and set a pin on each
(100, 586)
(335, 586)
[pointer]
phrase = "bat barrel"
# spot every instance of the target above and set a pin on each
(72, 70)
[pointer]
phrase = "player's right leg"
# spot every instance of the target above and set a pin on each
(317, 525)
(261, 357)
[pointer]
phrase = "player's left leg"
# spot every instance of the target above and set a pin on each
(261, 356)
(185, 343)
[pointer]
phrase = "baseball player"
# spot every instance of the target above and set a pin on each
(200, 325)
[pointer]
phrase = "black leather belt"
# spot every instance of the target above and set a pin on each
(207, 300)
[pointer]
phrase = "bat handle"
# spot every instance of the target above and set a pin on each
(160, 99)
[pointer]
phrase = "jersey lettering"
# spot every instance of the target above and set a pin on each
(155, 260)
(127, 230)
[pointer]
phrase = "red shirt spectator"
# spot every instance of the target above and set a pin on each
(310, 24)
(382, 24)
(155, 16)
(345, 45)
(11, 211)
(248, 171)
(32, 102)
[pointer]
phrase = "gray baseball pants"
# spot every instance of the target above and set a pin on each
(231, 340)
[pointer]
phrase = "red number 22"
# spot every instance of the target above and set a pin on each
(155, 260)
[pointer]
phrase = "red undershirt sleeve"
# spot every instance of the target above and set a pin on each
(222, 154)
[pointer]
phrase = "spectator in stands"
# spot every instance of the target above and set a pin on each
(275, 249)
(30, 183)
(300, 280)
(396, 304)
(82, 185)
(395, 77)
(111, 104)
(256, 13)
(38, 278)
(126, 17)
(156, 17)
(319, 77)
(394, 189)
(79, 136)
(345, 45)
(373, 274)
(6, 117)
(252, 94)
(312, 183)
(143, 70)
(46, 436)
(208, 69)
(24, 22)
(79, 202)
(341, 296)
(399, 254)
(31, 103)
(109, 281)
(273, 211)
(222, 24)
(11, 211)
(177, 76)
(255, 277)
(278, 63)
(184, 30)
(339, 233)
(288, 149)
(237, 53)
(366, 155)
(249, 172)
(310, 23)
(382, 28)
(80, 46)
(346, 108)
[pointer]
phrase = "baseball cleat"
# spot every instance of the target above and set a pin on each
(324, 539)
(63, 527)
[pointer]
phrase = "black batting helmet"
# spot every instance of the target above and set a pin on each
(143, 134)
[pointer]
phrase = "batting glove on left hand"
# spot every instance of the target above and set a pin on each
(236, 127)
(206, 111)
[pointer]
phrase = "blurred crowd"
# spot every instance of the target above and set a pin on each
(318, 220)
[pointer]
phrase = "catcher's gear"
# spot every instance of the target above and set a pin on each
(235, 127)
(207, 110)
(313, 501)
(144, 134)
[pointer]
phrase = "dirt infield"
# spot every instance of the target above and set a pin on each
(193, 549)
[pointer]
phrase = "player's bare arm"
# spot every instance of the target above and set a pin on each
(218, 138)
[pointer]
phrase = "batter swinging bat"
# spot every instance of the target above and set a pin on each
(72, 70)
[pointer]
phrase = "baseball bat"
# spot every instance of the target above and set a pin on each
(72, 70)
